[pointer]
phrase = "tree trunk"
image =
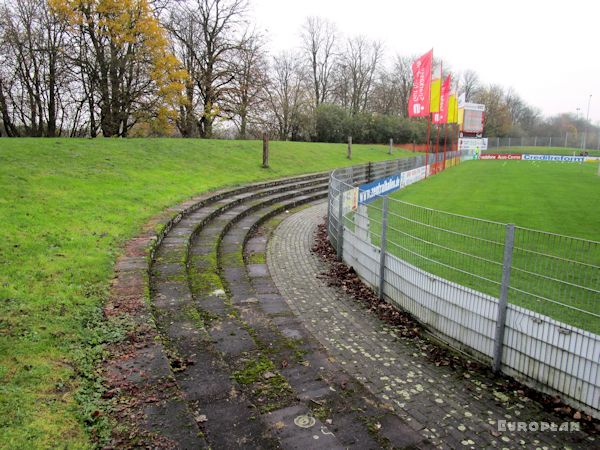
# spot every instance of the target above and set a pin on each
(9, 128)
(52, 97)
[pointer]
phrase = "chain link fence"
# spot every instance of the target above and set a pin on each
(524, 301)
(569, 140)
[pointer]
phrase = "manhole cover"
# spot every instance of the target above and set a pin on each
(305, 421)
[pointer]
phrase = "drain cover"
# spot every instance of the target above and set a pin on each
(305, 421)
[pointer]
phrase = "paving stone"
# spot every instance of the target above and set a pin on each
(229, 338)
(166, 270)
(258, 270)
(205, 383)
(184, 430)
(212, 304)
(230, 425)
(284, 426)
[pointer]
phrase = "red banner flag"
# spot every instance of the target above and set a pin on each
(442, 115)
(418, 103)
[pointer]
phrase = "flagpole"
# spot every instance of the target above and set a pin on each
(437, 148)
(445, 141)
(428, 139)
(428, 123)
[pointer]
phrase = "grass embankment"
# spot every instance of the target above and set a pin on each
(559, 198)
(515, 149)
(66, 207)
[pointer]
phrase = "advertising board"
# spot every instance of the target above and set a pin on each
(370, 191)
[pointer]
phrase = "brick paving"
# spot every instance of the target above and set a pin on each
(452, 408)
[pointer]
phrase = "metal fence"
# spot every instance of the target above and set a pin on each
(525, 301)
(569, 140)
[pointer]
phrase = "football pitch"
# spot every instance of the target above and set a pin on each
(553, 275)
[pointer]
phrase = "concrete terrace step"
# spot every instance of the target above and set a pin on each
(248, 372)
(194, 354)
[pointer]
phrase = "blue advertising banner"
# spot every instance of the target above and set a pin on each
(559, 158)
(369, 192)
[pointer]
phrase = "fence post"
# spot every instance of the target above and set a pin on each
(329, 199)
(340, 236)
(391, 145)
(535, 141)
(369, 172)
(509, 141)
(383, 246)
(550, 143)
(509, 242)
(566, 138)
(349, 156)
(497, 142)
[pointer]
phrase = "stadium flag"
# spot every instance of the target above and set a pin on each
(436, 83)
(452, 109)
(435, 95)
(442, 115)
(419, 101)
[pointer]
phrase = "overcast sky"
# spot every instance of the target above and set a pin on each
(545, 50)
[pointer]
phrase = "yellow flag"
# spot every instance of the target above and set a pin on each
(461, 115)
(452, 109)
(436, 84)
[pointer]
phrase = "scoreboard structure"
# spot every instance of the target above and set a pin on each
(473, 117)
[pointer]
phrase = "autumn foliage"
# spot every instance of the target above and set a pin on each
(127, 61)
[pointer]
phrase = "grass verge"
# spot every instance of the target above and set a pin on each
(67, 206)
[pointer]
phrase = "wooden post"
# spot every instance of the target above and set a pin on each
(349, 147)
(391, 146)
(265, 162)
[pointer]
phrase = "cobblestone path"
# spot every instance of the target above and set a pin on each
(452, 408)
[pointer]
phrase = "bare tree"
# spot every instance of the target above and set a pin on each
(497, 115)
(404, 77)
(392, 88)
(208, 34)
(357, 68)
(319, 38)
(33, 43)
(287, 96)
(187, 47)
(248, 91)
(469, 84)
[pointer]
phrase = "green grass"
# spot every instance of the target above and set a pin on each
(554, 197)
(541, 150)
(66, 208)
